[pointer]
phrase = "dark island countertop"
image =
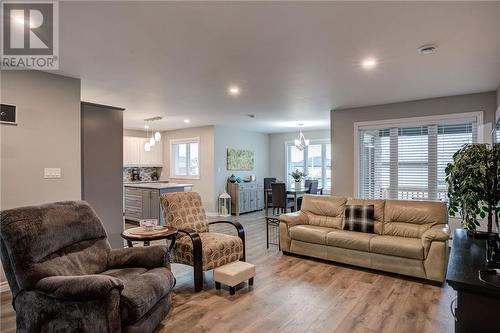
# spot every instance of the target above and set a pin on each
(467, 257)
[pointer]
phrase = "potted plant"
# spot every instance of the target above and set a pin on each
(297, 176)
(473, 186)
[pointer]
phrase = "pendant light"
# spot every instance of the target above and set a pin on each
(153, 137)
(147, 145)
(301, 142)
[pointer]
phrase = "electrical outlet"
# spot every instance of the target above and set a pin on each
(52, 173)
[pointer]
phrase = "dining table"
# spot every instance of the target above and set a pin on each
(294, 192)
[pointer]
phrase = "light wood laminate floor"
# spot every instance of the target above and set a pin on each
(293, 294)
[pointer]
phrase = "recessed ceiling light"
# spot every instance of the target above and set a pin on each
(187, 121)
(427, 49)
(234, 90)
(369, 63)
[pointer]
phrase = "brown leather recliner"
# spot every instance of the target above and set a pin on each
(65, 277)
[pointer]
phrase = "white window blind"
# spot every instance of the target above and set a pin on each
(408, 162)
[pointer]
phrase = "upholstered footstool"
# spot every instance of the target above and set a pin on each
(233, 274)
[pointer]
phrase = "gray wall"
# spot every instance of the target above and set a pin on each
(277, 152)
(228, 137)
(342, 125)
(102, 165)
(47, 135)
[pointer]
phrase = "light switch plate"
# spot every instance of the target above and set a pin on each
(52, 173)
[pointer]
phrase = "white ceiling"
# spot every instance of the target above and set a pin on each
(293, 61)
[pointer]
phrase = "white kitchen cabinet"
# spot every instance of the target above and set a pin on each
(134, 154)
(131, 150)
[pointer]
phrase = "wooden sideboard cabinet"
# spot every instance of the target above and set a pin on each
(246, 197)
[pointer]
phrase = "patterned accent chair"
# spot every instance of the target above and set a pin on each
(65, 277)
(195, 245)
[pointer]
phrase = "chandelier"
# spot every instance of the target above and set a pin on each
(301, 142)
(154, 137)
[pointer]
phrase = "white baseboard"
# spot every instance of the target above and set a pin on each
(212, 214)
(4, 286)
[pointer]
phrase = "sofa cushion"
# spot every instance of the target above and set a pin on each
(349, 239)
(411, 218)
(324, 211)
(310, 233)
(378, 206)
(359, 218)
(398, 246)
(142, 289)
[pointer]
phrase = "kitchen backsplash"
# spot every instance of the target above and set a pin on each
(146, 173)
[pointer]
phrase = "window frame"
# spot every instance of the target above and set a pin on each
(475, 116)
(186, 141)
(496, 130)
(323, 143)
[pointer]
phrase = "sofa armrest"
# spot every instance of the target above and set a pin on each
(440, 232)
(292, 219)
(78, 288)
(147, 257)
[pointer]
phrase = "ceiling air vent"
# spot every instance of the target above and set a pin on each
(427, 49)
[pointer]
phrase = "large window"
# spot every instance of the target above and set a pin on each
(184, 161)
(408, 160)
(315, 160)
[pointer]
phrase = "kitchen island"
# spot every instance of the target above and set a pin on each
(142, 199)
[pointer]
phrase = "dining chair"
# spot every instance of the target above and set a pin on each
(312, 186)
(268, 182)
(267, 186)
(280, 199)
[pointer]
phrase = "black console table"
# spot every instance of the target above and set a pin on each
(477, 306)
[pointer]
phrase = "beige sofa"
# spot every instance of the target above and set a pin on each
(411, 237)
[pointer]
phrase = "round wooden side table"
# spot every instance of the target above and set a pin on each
(141, 235)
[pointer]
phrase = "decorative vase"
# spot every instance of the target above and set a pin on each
(298, 185)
